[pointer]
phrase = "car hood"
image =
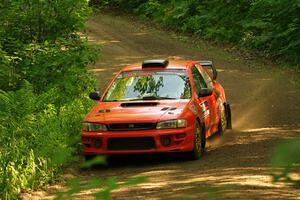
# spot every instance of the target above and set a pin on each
(139, 112)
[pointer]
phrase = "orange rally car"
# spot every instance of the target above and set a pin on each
(157, 106)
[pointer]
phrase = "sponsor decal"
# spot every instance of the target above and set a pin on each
(193, 109)
(205, 109)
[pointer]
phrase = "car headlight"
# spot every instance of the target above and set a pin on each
(91, 127)
(177, 123)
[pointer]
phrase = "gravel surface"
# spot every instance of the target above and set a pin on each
(265, 109)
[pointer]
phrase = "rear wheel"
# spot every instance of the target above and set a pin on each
(199, 142)
(223, 122)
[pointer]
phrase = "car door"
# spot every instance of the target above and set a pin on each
(213, 98)
(203, 103)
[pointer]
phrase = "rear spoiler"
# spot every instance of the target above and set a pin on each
(209, 64)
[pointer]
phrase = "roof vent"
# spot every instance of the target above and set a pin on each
(155, 63)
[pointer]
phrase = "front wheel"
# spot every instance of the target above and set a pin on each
(199, 142)
(89, 157)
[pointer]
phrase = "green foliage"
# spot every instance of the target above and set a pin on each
(271, 27)
(59, 67)
(286, 162)
(152, 10)
(43, 90)
(37, 137)
(39, 20)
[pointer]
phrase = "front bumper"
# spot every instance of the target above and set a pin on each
(180, 140)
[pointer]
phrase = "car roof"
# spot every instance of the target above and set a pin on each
(173, 64)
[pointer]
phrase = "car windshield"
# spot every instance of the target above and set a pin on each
(150, 85)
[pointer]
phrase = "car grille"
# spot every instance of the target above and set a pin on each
(131, 126)
(132, 143)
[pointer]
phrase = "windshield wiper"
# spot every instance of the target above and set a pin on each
(151, 98)
(113, 100)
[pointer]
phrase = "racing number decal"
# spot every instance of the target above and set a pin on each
(205, 109)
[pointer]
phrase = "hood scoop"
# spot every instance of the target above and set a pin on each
(165, 108)
(138, 104)
(168, 108)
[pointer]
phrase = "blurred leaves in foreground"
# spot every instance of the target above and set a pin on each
(286, 163)
(101, 188)
(104, 187)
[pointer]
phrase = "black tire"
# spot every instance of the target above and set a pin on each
(223, 122)
(89, 157)
(199, 142)
(228, 116)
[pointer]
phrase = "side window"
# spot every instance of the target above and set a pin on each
(206, 77)
(198, 80)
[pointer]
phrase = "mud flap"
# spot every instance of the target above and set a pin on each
(228, 115)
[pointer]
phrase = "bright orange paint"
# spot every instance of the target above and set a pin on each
(178, 139)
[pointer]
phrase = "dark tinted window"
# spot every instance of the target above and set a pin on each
(150, 84)
(198, 80)
(206, 76)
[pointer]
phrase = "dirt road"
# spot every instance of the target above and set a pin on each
(265, 107)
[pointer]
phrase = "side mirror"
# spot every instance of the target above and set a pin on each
(95, 96)
(204, 92)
